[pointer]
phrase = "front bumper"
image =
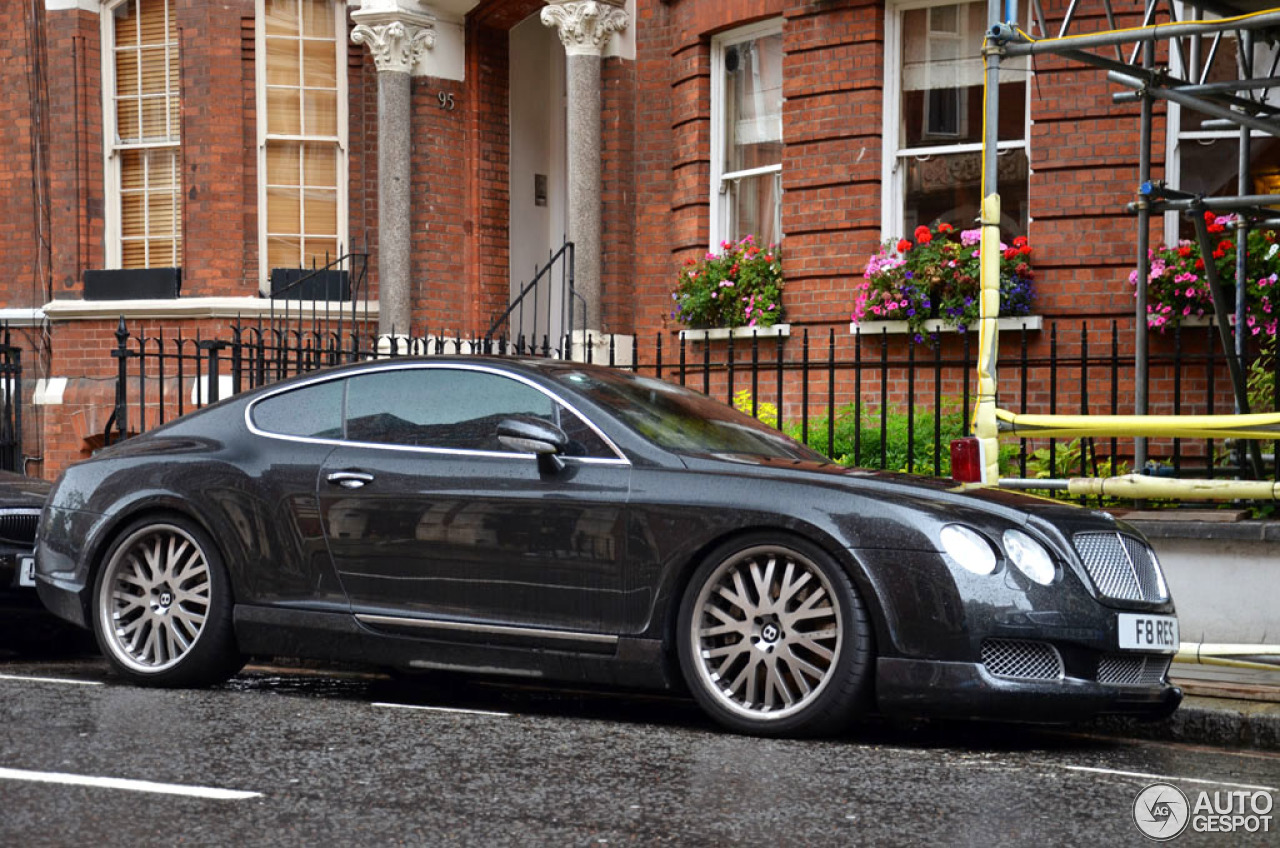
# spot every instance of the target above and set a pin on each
(966, 690)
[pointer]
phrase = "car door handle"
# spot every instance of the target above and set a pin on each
(350, 479)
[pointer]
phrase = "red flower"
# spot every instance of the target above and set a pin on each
(923, 236)
(1184, 251)
(1024, 250)
(691, 261)
(1020, 241)
(903, 245)
(1216, 228)
(1226, 244)
(944, 227)
(1219, 253)
(1199, 264)
(1011, 253)
(1210, 216)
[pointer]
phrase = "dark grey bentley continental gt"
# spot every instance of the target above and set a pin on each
(562, 521)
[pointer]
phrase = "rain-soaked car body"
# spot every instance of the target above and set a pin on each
(563, 521)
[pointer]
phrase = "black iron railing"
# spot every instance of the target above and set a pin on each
(546, 307)
(871, 400)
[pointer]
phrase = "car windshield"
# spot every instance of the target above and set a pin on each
(679, 419)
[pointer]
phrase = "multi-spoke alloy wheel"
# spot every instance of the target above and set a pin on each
(163, 611)
(774, 639)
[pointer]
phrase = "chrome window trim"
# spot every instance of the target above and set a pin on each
(462, 366)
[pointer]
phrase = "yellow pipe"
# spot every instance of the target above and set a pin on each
(1260, 425)
(1140, 486)
(1199, 653)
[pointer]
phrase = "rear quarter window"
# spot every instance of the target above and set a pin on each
(313, 411)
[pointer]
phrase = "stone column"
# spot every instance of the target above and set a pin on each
(585, 27)
(397, 33)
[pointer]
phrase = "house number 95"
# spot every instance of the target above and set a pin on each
(446, 100)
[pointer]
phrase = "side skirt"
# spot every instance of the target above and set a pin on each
(453, 646)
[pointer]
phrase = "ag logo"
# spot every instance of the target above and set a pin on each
(1161, 811)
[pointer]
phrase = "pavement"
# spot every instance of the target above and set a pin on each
(1223, 706)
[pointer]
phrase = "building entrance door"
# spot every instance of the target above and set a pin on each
(538, 204)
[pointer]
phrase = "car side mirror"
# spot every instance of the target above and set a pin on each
(533, 435)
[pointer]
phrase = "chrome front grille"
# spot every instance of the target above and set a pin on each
(1021, 659)
(1130, 670)
(1122, 567)
(18, 526)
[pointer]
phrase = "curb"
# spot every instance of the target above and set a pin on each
(1223, 722)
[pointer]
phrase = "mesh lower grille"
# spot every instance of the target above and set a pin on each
(19, 527)
(1122, 567)
(1021, 659)
(1141, 670)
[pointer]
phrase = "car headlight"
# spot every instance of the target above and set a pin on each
(1029, 556)
(968, 548)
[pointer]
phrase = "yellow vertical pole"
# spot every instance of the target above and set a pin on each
(985, 426)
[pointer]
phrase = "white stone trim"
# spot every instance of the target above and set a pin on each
(715, 333)
(585, 26)
(933, 325)
(397, 40)
(49, 391)
(66, 5)
(18, 317)
(201, 307)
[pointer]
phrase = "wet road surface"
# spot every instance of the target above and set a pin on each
(297, 757)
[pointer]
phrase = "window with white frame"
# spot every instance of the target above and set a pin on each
(1207, 160)
(302, 132)
(933, 120)
(142, 138)
(746, 135)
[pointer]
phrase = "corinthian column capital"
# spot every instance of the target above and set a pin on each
(396, 34)
(585, 25)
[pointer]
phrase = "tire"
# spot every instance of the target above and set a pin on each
(773, 639)
(162, 606)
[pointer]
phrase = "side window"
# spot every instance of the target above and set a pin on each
(438, 407)
(583, 441)
(313, 411)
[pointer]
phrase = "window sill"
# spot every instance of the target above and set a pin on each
(200, 307)
(715, 333)
(933, 325)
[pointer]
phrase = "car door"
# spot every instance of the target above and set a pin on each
(428, 516)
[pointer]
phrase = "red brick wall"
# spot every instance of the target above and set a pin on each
(24, 284)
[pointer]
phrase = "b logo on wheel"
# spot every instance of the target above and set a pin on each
(1161, 811)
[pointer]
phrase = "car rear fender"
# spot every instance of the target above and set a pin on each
(154, 506)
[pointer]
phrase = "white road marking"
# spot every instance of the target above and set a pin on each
(130, 785)
(1146, 776)
(66, 680)
(440, 709)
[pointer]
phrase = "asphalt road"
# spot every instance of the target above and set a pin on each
(318, 758)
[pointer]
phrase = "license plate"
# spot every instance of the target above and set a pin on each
(26, 571)
(1148, 632)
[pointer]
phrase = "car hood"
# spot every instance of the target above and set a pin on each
(918, 489)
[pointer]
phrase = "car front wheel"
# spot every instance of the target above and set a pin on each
(774, 640)
(162, 606)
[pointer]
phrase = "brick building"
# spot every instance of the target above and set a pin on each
(163, 159)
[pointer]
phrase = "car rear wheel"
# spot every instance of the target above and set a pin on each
(774, 640)
(162, 606)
